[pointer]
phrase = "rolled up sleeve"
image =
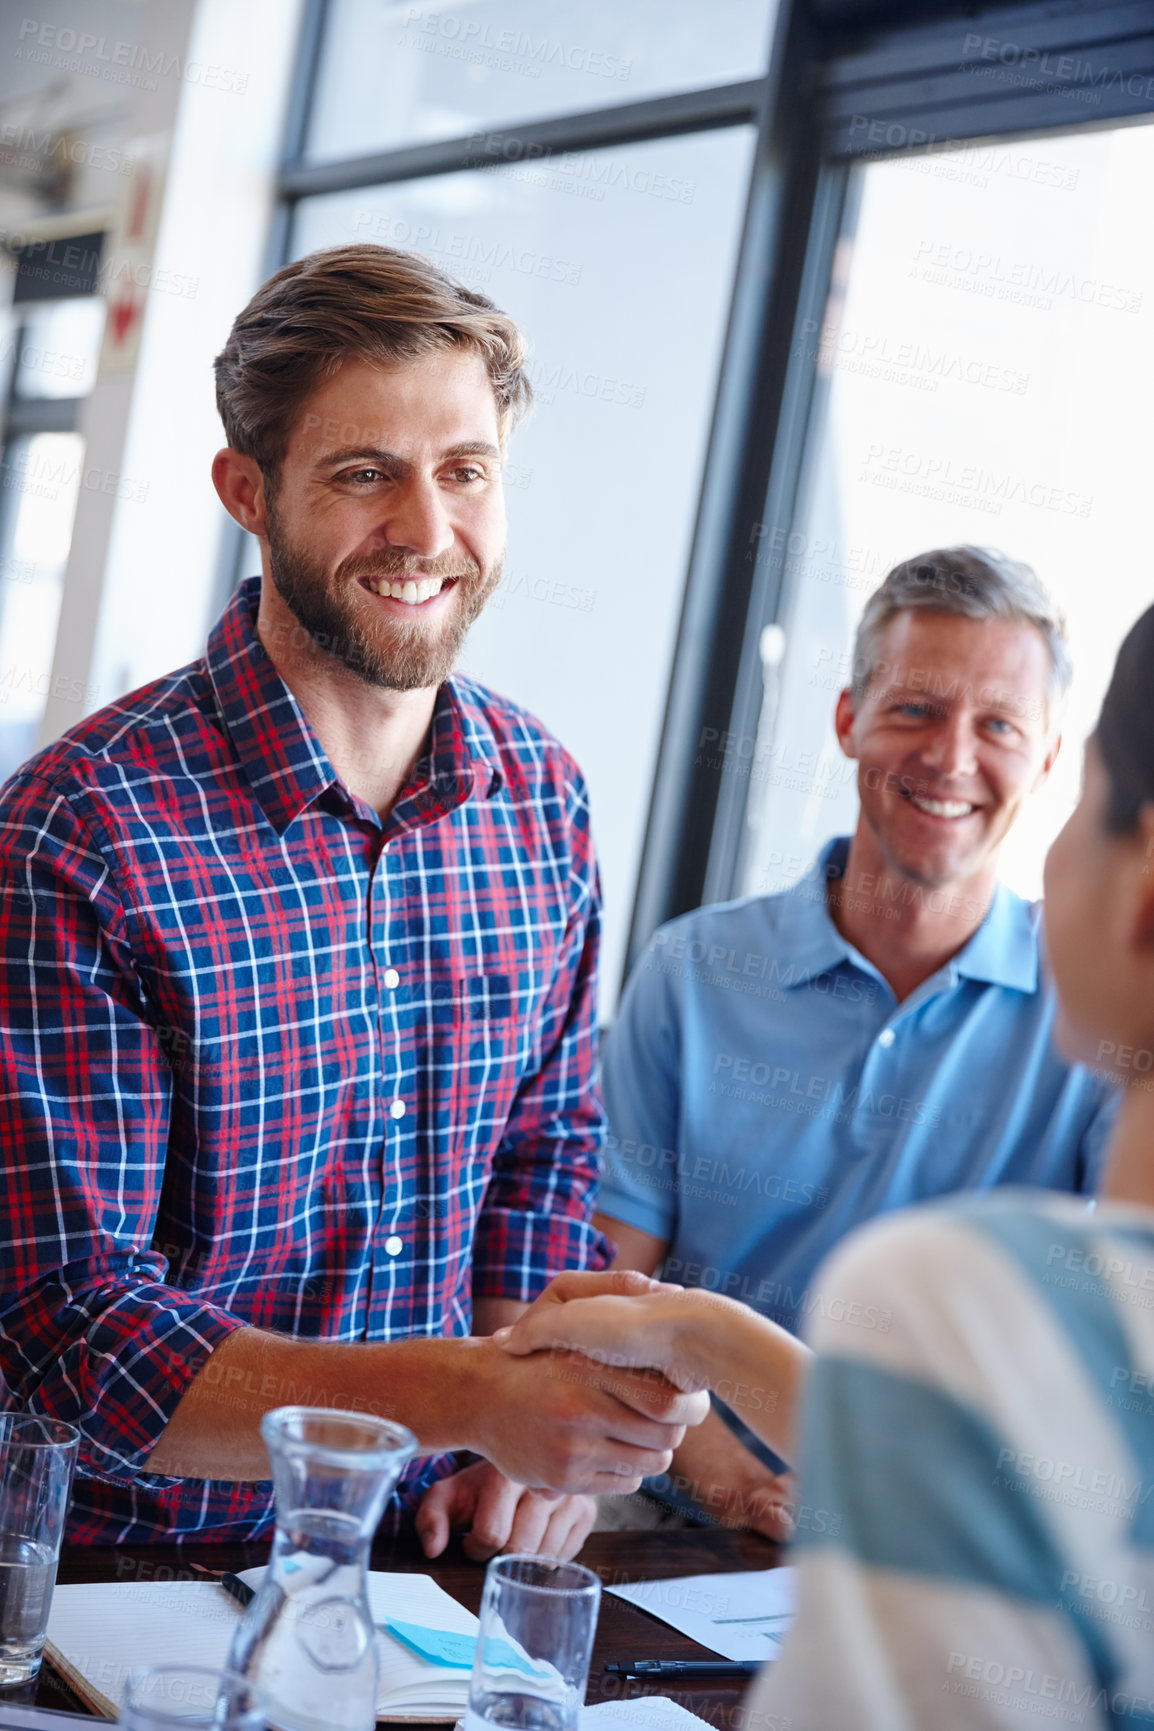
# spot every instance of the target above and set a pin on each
(89, 1330)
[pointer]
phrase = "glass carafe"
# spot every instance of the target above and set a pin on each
(307, 1638)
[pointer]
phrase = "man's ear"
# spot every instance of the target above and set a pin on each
(1050, 760)
(843, 722)
(240, 486)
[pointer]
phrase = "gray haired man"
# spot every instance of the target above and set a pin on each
(787, 1066)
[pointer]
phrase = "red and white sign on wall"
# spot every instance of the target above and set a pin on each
(129, 268)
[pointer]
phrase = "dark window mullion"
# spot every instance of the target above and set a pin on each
(765, 548)
(756, 363)
(490, 147)
(32, 415)
(905, 50)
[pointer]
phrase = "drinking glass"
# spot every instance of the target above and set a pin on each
(538, 1618)
(184, 1697)
(37, 1459)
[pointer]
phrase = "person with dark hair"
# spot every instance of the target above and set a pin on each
(787, 1066)
(299, 980)
(976, 1479)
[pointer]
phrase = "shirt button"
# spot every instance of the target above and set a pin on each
(393, 1245)
(886, 1037)
(392, 979)
(397, 1109)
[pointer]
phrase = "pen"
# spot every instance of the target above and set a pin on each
(236, 1588)
(232, 1584)
(686, 1668)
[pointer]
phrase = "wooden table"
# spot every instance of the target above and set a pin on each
(623, 1631)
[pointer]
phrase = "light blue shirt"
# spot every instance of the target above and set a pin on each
(767, 1092)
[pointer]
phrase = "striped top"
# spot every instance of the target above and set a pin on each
(975, 1529)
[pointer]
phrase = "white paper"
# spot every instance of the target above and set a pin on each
(39, 1719)
(108, 1628)
(642, 1713)
(739, 1616)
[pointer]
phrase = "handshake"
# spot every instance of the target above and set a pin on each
(595, 1384)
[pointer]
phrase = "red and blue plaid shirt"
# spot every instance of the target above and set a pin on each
(266, 1060)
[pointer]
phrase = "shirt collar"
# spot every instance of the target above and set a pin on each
(468, 733)
(1002, 952)
(806, 932)
(282, 757)
(463, 758)
(286, 765)
(1004, 949)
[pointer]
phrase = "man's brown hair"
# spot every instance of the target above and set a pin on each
(372, 303)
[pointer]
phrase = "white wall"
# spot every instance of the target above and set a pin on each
(140, 582)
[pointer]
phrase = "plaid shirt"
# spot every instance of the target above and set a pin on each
(266, 1060)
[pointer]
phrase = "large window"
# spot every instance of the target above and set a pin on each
(986, 360)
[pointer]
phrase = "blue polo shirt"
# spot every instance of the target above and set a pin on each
(767, 1092)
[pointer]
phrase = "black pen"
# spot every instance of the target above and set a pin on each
(232, 1584)
(236, 1588)
(687, 1668)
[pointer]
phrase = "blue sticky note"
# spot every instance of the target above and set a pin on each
(439, 1646)
(442, 1647)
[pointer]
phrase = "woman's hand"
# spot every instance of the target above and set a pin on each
(696, 1340)
(621, 1318)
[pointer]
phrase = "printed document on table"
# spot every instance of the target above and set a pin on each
(639, 1713)
(740, 1616)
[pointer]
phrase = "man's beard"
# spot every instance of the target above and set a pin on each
(395, 655)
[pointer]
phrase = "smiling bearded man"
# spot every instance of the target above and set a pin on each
(300, 952)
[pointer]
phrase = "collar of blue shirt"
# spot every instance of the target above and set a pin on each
(1003, 951)
(283, 759)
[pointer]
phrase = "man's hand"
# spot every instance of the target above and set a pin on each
(558, 1421)
(730, 1484)
(758, 1501)
(766, 1508)
(497, 1514)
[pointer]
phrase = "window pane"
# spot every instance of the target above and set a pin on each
(40, 477)
(59, 347)
(395, 72)
(623, 296)
(988, 359)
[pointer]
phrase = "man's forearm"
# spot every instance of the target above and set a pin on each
(545, 1421)
(428, 1385)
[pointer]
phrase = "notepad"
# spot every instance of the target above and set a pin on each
(98, 1634)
